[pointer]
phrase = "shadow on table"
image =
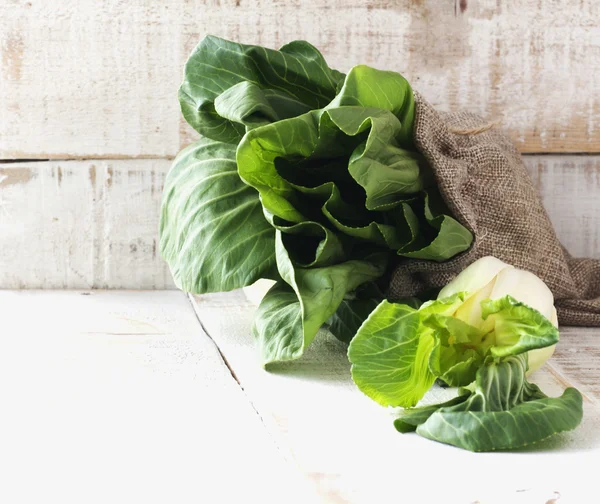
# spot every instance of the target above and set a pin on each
(325, 360)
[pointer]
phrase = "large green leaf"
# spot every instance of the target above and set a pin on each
(294, 310)
(517, 327)
(271, 85)
(367, 87)
(390, 355)
(392, 351)
(213, 233)
(411, 418)
(504, 412)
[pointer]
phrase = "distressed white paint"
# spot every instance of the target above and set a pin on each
(570, 190)
(82, 224)
(121, 397)
(348, 445)
(577, 360)
(94, 79)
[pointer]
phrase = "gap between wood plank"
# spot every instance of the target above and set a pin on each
(225, 361)
(566, 382)
(23, 160)
(313, 409)
(234, 376)
(98, 157)
(117, 157)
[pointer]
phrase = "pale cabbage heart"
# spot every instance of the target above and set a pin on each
(491, 278)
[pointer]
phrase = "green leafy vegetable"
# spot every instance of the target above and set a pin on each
(311, 178)
(413, 417)
(391, 351)
(343, 169)
(213, 232)
(390, 355)
(293, 311)
(504, 411)
(229, 87)
(399, 351)
(325, 162)
(517, 327)
(454, 349)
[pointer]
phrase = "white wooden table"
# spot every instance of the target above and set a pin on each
(152, 397)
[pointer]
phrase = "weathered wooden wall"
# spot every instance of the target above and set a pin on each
(95, 80)
(89, 78)
(81, 224)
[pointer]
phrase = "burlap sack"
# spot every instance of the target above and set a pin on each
(487, 188)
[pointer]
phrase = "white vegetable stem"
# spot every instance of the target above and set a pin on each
(255, 292)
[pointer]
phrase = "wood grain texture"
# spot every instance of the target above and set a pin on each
(577, 357)
(81, 224)
(570, 191)
(121, 397)
(98, 79)
(347, 444)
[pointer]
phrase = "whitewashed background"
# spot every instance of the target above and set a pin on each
(89, 118)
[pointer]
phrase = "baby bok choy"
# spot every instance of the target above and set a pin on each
(305, 176)
(487, 330)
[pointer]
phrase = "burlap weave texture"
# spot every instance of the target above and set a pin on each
(487, 188)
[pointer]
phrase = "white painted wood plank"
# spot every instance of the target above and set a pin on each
(82, 224)
(121, 397)
(570, 191)
(577, 357)
(94, 79)
(348, 445)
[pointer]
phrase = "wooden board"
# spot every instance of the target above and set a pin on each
(121, 397)
(577, 360)
(98, 79)
(346, 443)
(83, 224)
(126, 397)
(570, 190)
